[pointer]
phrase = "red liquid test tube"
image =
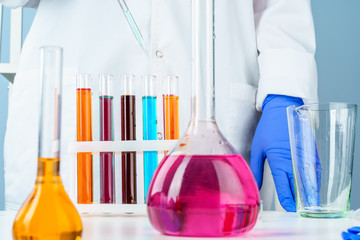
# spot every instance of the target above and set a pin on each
(107, 186)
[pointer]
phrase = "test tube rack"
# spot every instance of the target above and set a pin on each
(117, 147)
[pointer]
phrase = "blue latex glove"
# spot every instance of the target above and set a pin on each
(352, 234)
(271, 142)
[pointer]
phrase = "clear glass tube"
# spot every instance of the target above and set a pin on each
(106, 85)
(107, 165)
(127, 84)
(149, 127)
(171, 86)
(203, 89)
(48, 200)
(128, 133)
(84, 134)
(149, 85)
(171, 107)
(203, 188)
(51, 74)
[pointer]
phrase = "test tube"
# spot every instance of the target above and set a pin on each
(128, 133)
(84, 133)
(107, 187)
(171, 108)
(149, 127)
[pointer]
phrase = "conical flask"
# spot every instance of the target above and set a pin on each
(203, 188)
(48, 212)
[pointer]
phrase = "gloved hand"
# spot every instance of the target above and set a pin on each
(352, 234)
(271, 142)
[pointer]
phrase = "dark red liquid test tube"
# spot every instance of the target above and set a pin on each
(128, 159)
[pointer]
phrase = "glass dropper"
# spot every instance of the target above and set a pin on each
(135, 29)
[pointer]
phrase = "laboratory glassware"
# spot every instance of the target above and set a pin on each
(107, 186)
(322, 140)
(149, 127)
(48, 212)
(203, 188)
(84, 133)
(171, 108)
(135, 29)
(128, 133)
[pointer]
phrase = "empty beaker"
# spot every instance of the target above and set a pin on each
(322, 140)
(203, 188)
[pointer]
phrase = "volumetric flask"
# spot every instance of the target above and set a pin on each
(128, 133)
(322, 140)
(107, 165)
(203, 188)
(84, 133)
(48, 212)
(149, 127)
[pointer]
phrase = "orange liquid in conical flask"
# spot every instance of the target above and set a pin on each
(48, 212)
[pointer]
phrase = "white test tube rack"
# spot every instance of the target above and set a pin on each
(117, 147)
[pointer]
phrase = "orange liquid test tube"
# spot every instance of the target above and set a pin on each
(171, 108)
(84, 133)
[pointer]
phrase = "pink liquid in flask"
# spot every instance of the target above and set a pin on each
(203, 195)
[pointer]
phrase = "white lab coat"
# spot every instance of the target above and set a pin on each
(262, 47)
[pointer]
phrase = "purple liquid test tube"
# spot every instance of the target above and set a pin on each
(107, 187)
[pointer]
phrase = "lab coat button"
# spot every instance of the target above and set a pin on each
(159, 54)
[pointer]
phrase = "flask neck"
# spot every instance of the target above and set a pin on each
(50, 117)
(203, 81)
(48, 170)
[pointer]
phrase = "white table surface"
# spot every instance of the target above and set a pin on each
(273, 225)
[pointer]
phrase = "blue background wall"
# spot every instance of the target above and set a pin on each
(337, 24)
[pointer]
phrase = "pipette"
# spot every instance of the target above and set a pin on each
(133, 25)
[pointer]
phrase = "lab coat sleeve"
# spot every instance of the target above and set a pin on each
(286, 45)
(20, 3)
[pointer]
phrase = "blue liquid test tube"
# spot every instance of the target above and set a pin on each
(149, 128)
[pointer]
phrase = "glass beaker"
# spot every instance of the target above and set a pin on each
(48, 212)
(322, 138)
(203, 187)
